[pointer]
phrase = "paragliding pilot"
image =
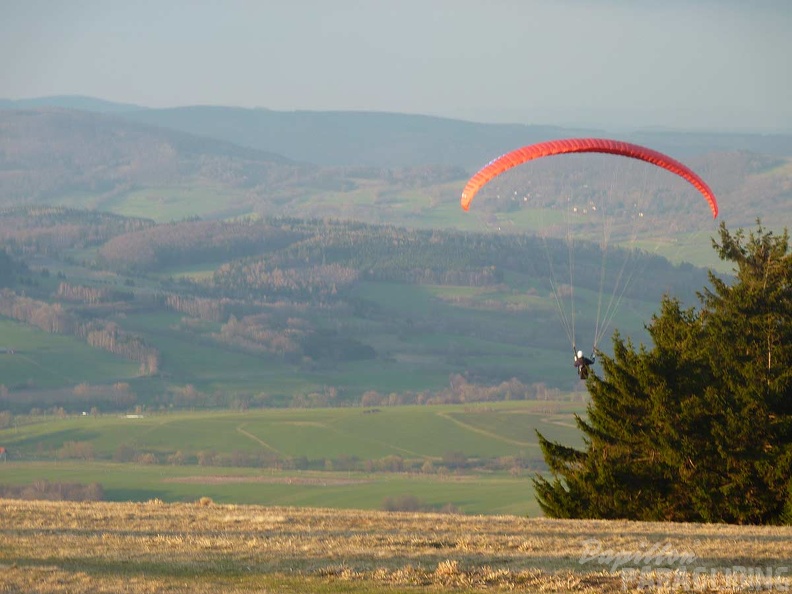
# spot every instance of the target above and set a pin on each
(582, 363)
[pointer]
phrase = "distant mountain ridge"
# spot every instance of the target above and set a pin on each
(380, 139)
(79, 102)
(219, 162)
(354, 138)
(47, 153)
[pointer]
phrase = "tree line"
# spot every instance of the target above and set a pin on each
(48, 230)
(317, 257)
(190, 242)
(103, 334)
(313, 259)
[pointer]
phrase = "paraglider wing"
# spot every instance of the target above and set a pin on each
(584, 145)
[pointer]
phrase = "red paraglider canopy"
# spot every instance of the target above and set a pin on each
(584, 145)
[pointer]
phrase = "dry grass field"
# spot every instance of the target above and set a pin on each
(204, 547)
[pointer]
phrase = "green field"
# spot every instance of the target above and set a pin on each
(415, 336)
(421, 436)
(485, 330)
(164, 203)
(42, 360)
(490, 494)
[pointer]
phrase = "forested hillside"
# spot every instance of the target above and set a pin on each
(385, 168)
(354, 138)
(289, 297)
(211, 272)
(49, 154)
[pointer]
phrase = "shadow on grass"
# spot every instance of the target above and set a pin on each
(52, 440)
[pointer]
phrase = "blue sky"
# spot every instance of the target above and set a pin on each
(610, 64)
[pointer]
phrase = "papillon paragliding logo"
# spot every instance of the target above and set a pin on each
(668, 566)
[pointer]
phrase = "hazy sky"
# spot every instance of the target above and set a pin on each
(703, 64)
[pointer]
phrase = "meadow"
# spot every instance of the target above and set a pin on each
(294, 499)
(57, 547)
(41, 360)
(475, 459)
(422, 334)
(414, 335)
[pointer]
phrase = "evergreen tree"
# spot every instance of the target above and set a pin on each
(699, 427)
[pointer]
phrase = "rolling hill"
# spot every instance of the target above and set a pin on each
(401, 173)
(337, 138)
(383, 168)
(258, 260)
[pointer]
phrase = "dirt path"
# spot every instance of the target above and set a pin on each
(241, 429)
(486, 433)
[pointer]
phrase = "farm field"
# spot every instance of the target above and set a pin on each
(386, 331)
(334, 457)
(470, 493)
(41, 360)
(416, 355)
(56, 547)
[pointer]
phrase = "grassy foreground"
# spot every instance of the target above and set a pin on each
(416, 435)
(204, 547)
